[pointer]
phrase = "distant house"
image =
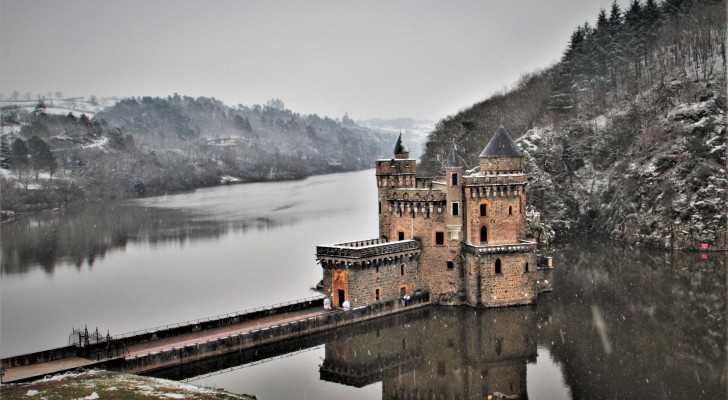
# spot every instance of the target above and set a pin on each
(461, 237)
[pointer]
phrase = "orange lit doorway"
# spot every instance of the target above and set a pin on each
(339, 287)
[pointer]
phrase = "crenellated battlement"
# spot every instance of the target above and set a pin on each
(495, 179)
(415, 195)
(383, 251)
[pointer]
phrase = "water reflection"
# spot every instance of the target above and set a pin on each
(639, 323)
(431, 353)
(621, 323)
(83, 234)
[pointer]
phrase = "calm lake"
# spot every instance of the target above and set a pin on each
(621, 323)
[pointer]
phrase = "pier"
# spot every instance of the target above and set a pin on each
(175, 345)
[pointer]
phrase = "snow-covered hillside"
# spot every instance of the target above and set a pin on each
(664, 186)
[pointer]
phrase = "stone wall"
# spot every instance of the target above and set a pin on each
(434, 275)
(364, 279)
(483, 286)
(503, 226)
(501, 164)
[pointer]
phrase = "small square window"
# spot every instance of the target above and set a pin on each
(450, 265)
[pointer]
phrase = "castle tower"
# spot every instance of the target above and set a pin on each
(499, 214)
(454, 189)
(500, 262)
(396, 173)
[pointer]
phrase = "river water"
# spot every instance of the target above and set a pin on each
(621, 322)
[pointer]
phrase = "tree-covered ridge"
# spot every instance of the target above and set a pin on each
(625, 136)
(153, 145)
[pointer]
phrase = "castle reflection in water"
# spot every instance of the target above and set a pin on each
(453, 353)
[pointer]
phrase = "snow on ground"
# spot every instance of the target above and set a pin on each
(693, 111)
(10, 129)
(600, 122)
(99, 143)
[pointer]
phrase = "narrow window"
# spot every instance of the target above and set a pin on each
(380, 207)
(483, 210)
(498, 266)
(439, 238)
(400, 235)
(376, 295)
(441, 368)
(377, 268)
(525, 267)
(483, 234)
(454, 179)
(510, 210)
(455, 209)
(401, 270)
(450, 265)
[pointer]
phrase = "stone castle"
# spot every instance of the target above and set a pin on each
(461, 237)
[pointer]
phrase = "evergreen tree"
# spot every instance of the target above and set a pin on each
(19, 160)
(4, 154)
(615, 48)
(40, 109)
(41, 156)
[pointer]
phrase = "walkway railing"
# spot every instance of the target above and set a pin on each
(219, 317)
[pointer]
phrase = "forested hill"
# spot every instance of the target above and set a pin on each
(624, 137)
(254, 137)
(151, 145)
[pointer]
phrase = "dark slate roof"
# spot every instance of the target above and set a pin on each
(453, 160)
(400, 147)
(501, 145)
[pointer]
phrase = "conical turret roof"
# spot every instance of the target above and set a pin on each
(501, 145)
(400, 147)
(453, 160)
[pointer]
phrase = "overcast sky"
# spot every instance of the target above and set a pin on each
(422, 59)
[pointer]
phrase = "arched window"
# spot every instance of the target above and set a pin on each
(498, 266)
(483, 210)
(525, 267)
(483, 234)
(510, 210)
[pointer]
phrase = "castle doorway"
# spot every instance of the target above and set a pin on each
(339, 287)
(341, 296)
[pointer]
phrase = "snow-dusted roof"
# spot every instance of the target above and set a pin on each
(501, 145)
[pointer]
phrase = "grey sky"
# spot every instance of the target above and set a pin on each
(423, 59)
